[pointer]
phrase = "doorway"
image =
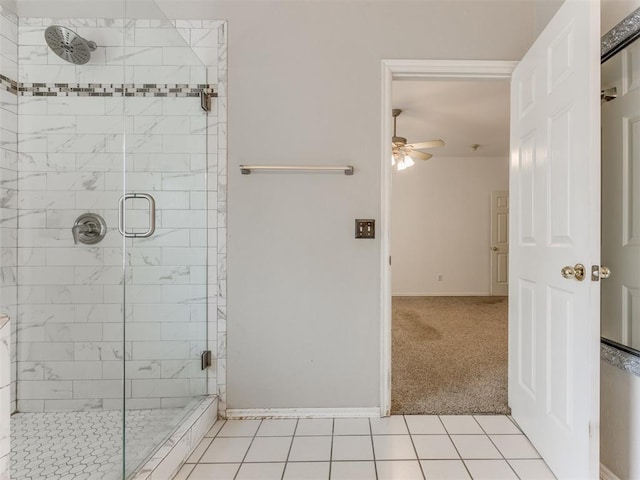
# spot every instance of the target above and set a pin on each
(397, 70)
(449, 351)
(555, 157)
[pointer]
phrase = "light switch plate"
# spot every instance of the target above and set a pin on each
(365, 228)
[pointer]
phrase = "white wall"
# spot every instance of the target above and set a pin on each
(615, 10)
(305, 88)
(619, 422)
(441, 219)
(304, 295)
(543, 11)
(10, 5)
(612, 11)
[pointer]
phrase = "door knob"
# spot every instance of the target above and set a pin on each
(599, 272)
(494, 249)
(576, 272)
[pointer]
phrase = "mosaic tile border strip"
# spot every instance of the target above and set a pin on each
(618, 35)
(105, 90)
(620, 359)
(9, 85)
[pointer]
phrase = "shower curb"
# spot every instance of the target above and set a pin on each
(174, 452)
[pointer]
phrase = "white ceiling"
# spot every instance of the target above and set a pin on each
(460, 112)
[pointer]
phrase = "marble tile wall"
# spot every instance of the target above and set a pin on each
(168, 459)
(8, 234)
(217, 266)
(151, 51)
(71, 339)
(5, 395)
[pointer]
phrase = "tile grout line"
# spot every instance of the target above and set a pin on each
(212, 439)
(455, 447)
(333, 429)
(193, 467)
(404, 417)
(286, 462)
(373, 449)
(190, 474)
(496, 447)
(247, 452)
(512, 420)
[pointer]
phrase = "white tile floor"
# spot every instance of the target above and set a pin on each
(411, 447)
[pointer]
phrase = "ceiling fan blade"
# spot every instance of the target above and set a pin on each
(429, 144)
(420, 155)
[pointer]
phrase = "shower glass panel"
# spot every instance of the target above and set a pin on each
(111, 234)
(164, 226)
(70, 348)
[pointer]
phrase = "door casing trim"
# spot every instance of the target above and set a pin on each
(411, 70)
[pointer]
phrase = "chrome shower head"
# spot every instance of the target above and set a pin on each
(68, 45)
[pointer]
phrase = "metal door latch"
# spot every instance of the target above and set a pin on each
(599, 272)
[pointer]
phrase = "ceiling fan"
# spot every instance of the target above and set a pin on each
(403, 152)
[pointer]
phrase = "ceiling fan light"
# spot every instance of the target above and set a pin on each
(408, 161)
(402, 150)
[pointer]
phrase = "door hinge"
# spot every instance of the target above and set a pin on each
(205, 100)
(609, 94)
(205, 359)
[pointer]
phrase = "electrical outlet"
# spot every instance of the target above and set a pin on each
(365, 228)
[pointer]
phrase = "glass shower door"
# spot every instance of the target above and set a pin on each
(70, 352)
(163, 220)
(109, 334)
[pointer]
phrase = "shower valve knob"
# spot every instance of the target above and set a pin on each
(89, 228)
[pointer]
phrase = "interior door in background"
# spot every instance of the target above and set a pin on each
(500, 243)
(554, 321)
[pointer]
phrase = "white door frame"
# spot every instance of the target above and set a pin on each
(411, 70)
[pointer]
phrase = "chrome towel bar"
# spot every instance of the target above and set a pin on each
(247, 169)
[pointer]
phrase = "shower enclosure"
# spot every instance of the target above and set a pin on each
(109, 231)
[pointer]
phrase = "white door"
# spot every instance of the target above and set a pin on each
(554, 322)
(499, 243)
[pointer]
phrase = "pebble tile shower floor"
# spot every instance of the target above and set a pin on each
(84, 445)
(410, 447)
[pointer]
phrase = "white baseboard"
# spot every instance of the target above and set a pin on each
(606, 474)
(241, 413)
(443, 294)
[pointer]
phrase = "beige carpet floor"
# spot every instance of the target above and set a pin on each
(449, 355)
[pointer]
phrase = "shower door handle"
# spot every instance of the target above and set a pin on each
(152, 215)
